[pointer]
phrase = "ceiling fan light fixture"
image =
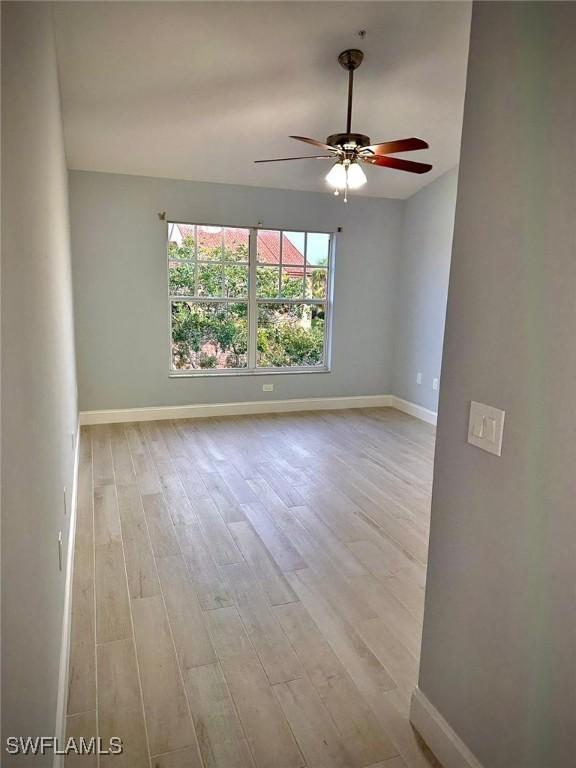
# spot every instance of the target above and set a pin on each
(337, 176)
(356, 176)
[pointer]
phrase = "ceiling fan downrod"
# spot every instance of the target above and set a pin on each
(349, 60)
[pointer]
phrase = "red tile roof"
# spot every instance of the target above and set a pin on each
(268, 244)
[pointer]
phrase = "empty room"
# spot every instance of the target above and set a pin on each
(287, 449)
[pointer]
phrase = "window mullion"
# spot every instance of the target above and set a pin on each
(252, 303)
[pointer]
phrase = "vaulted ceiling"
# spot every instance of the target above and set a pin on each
(198, 90)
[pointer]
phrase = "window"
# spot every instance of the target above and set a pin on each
(248, 300)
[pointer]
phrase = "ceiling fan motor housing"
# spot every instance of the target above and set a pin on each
(351, 139)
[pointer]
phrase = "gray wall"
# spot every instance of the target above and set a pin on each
(499, 646)
(422, 288)
(120, 287)
(38, 376)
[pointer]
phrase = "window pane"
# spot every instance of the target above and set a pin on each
(181, 241)
(210, 279)
(292, 283)
(235, 280)
(268, 246)
(316, 281)
(317, 249)
(209, 336)
(181, 278)
(290, 335)
(293, 247)
(236, 244)
(209, 243)
(267, 282)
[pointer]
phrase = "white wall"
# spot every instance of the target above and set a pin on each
(120, 285)
(38, 374)
(422, 289)
(499, 644)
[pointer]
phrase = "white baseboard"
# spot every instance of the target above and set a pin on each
(233, 409)
(62, 700)
(424, 414)
(439, 735)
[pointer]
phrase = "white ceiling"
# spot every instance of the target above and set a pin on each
(198, 90)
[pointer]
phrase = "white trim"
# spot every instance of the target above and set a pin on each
(439, 735)
(62, 700)
(424, 414)
(233, 409)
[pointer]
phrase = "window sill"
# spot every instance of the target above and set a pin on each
(224, 373)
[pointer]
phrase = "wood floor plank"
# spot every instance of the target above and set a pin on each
(118, 685)
(112, 607)
(82, 664)
(380, 556)
(331, 545)
(392, 710)
(106, 517)
(267, 731)
(191, 638)
(223, 497)
(193, 484)
(77, 727)
(356, 724)
(102, 455)
(336, 511)
(207, 580)
(160, 526)
(404, 626)
(216, 534)
(278, 512)
(145, 469)
(276, 542)
(221, 738)
(167, 717)
(183, 758)
(236, 483)
(119, 702)
(176, 499)
(394, 762)
(288, 493)
(128, 725)
(324, 571)
(391, 652)
(140, 566)
(360, 663)
(258, 557)
(121, 458)
(314, 730)
(265, 632)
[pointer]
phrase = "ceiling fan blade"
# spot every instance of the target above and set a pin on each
(398, 163)
(390, 147)
(305, 157)
(314, 142)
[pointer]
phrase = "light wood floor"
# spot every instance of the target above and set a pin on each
(248, 591)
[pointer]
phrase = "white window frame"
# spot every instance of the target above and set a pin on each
(253, 301)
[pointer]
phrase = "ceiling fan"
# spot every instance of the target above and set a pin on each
(350, 149)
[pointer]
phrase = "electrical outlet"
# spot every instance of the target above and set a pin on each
(434, 383)
(419, 378)
(267, 387)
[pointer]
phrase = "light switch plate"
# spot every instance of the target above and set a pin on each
(486, 427)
